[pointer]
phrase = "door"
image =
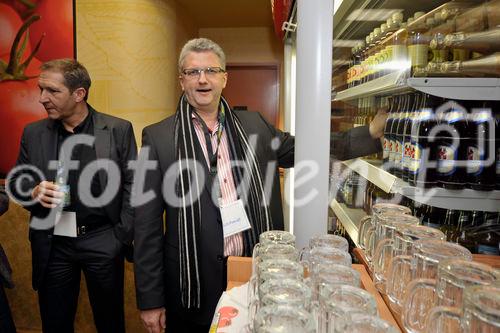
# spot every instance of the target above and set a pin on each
(254, 87)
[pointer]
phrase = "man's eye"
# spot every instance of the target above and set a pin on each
(191, 72)
(210, 70)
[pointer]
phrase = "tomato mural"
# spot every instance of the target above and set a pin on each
(31, 32)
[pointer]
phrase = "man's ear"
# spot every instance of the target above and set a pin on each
(181, 83)
(80, 94)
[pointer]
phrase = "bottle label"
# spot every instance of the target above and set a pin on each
(399, 53)
(407, 153)
(474, 161)
(392, 153)
(446, 160)
(418, 55)
(415, 158)
(387, 148)
(485, 249)
(399, 152)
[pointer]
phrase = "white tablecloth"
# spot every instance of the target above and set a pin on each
(231, 314)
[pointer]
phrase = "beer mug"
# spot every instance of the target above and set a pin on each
(364, 323)
(265, 251)
(453, 276)
(273, 269)
(330, 255)
(283, 318)
(337, 303)
(326, 274)
(479, 312)
(397, 231)
(277, 236)
(368, 226)
(328, 240)
(399, 272)
(281, 291)
(427, 255)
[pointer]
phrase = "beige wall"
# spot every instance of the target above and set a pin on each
(130, 48)
(249, 46)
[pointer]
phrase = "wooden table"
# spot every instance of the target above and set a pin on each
(239, 270)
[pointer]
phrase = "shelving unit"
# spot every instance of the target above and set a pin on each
(349, 217)
(465, 199)
(388, 84)
(487, 89)
(447, 87)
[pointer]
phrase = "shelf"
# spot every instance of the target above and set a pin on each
(447, 87)
(465, 199)
(372, 172)
(349, 217)
(389, 83)
(458, 88)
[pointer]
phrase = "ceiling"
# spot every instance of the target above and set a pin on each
(229, 13)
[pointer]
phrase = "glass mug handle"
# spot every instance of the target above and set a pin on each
(369, 238)
(408, 308)
(392, 278)
(255, 253)
(363, 223)
(433, 318)
(379, 257)
(304, 260)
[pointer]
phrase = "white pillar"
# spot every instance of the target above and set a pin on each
(289, 126)
(312, 125)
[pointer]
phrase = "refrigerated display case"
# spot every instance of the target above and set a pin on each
(415, 59)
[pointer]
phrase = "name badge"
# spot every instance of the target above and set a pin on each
(65, 224)
(234, 218)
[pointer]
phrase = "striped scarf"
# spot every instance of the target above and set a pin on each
(251, 192)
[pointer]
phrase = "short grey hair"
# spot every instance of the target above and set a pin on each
(202, 45)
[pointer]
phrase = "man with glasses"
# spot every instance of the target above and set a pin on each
(210, 180)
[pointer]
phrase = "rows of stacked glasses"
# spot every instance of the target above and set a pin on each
(311, 290)
(432, 285)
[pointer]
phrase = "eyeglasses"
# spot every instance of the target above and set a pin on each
(192, 73)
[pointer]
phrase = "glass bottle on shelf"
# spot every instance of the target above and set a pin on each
(450, 224)
(452, 148)
(485, 42)
(487, 66)
(387, 132)
(398, 156)
(487, 236)
(481, 168)
(399, 102)
(424, 147)
(418, 43)
(464, 223)
(408, 151)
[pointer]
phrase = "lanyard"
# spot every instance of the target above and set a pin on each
(212, 157)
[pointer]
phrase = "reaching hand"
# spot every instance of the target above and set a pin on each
(154, 320)
(377, 125)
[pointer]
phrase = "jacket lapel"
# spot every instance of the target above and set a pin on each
(102, 146)
(48, 150)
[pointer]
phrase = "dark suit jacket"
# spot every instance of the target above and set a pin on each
(114, 141)
(156, 242)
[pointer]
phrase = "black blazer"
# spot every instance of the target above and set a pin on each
(114, 141)
(156, 255)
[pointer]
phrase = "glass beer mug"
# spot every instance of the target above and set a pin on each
(479, 313)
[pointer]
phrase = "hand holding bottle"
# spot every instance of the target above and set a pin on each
(47, 194)
(377, 125)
